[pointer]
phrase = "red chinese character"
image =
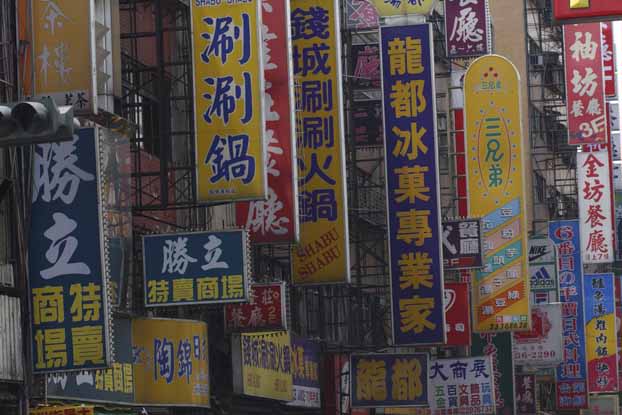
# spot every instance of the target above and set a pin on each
(596, 242)
(593, 191)
(592, 164)
(594, 215)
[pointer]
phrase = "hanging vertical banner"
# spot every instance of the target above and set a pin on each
(571, 375)
(457, 314)
(394, 8)
(322, 256)
(601, 342)
(63, 36)
(467, 28)
(526, 394)
(275, 219)
(413, 196)
(608, 51)
(365, 64)
(585, 103)
(361, 14)
(228, 100)
(496, 192)
(367, 123)
(543, 345)
(68, 285)
(618, 222)
(593, 170)
(306, 373)
(462, 244)
(542, 270)
(265, 310)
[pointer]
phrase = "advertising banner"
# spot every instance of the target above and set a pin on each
(462, 244)
(618, 221)
(367, 123)
(322, 256)
(543, 345)
(389, 380)
(526, 394)
(608, 52)
(600, 335)
(567, 11)
(361, 14)
(68, 285)
(265, 309)
(619, 339)
(195, 268)
(603, 405)
(171, 362)
(462, 385)
(542, 270)
(496, 345)
(275, 219)
(571, 375)
(413, 195)
(593, 169)
(585, 104)
(306, 373)
(63, 54)
(365, 63)
(63, 410)
(496, 192)
(457, 314)
(467, 28)
(394, 8)
(229, 100)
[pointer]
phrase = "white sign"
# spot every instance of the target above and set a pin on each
(543, 345)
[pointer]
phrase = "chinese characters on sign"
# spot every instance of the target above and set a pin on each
(497, 346)
(542, 270)
(464, 385)
(365, 64)
(195, 268)
(608, 52)
(322, 256)
(228, 101)
(400, 7)
(367, 123)
(264, 310)
(306, 373)
(526, 394)
(496, 193)
(603, 405)
(67, 281)
(411, 156)
(600, 335)
(462, 244)
(585, 103)
(64, 410)
(386, 380)
(457, 314)
(467, 28)
(543, 345)
(361, 15)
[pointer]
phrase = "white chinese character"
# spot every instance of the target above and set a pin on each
(507, 233)
(513, 295)
(506, 212)
(267, 37)
(237, 317)
(577, 108)
(44, 57)
(60, 62)
(584, 85)
(593, 107)
(51, 13)
(175, 256)
(511, 252)
(498, 260)
(62, 249)
(511, 275)
(469, 246)
(256, 319)
(447, 243)
(213, 254)
(263, 216)
(467, 2)
(488, 310)
(266, 297)
(469, 230)
(583, 50)
(465, 27)
(460, 327)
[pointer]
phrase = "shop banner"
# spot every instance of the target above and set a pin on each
(413, 195)
(603, 405)
(571, 375)
(361, 14)
(171, 362)
(593, 169)
(462, 244)
(229, 100)
(542, 270)
(497, 345)
(467, 28)
(63, 53)
(275, 219)
(496, 192)
(67, 281)
(608, 52)
(543, 345)
(322, 256)
(618, 221)
(457, 314)
(526, 394)
(63, 410)
(619, 340)
(462, 385)
(195, 268)
(266, 309)
(336, 388)
(394, 8)
(306, 373)
(367, 123)
(601, 341)
(567, 11)
(389, 380)
(585, 103)
(365, 64)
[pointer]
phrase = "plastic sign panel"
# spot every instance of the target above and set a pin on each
(68, 286)
(265, 310)
(388, 380)
(603, 405)
(63, 410)
(306, 373)
(462, 385)
(413, 195)
(171, 362)
(195, 268)
(275, 219)
(496, 192)
(497, 346)
(543, 345)
(462, 244)
(601, 341)
(526, 394)
(457, 314)
(595, 216)
(63, 53)
(585, 103)
(567, 11)
(467, 28)
(365, 61)
(361, 14)
(542, 270)
(228, 100)
(394, 8)
(322, 256)
(608, 52)
(571, 375)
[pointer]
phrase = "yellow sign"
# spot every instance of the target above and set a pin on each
(496, 192)
(171, 366)
(267, 365)
(228, 100)
(63, 59)
(64, 410)
(322, 255)
(403, 7)
(579, 4)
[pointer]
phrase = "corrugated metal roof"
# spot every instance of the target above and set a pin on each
(11, 364)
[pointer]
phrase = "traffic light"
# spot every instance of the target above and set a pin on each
(35, 121)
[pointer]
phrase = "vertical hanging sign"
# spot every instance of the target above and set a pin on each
(228, 100)
(413, 213)
(496, 192)
(607, 50)
(467, 28)
(585, 103)
(322, 255)
(275, 219)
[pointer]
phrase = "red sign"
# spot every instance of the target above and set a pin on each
(587, 10)
(265, 310)
(609, 69)
(336, 386)
(457, 314)
(585, 103)
(275, 219)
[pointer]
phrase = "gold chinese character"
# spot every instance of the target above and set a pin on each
(48, 305)
(88, 345)
(207, 288)
(406, 380)
(183, 289)
(397, 57)
(579, 4)
(415, 270)
(128, 378)
(233, 286)
(414, 313)
(99, 380)
(86, 302)
(407, 99)
(108, 380)
(409, 143)
(117, 368)
(411, 184)
(414, 225)
(371, 382)
(414, 64)
(158, 291)
(51, 348)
